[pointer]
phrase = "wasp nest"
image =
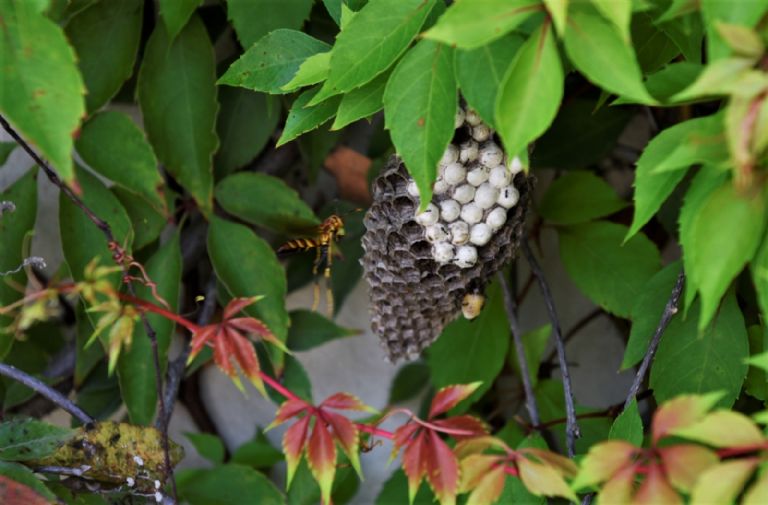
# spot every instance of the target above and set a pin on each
(420, 266)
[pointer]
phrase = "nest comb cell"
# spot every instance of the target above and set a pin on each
(420, 266)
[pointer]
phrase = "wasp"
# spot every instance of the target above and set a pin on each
(326, 236)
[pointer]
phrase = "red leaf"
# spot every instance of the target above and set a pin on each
(449, 396)
(235, 305)
(345, 401)
(289, 409)
(402, 437)
(199, 338)
(15, 493)
(466, 423)
(245, 355)
(321, 456)
(684, 463)
(347, 435)
(253, 326)
(680, 412)
(655, 489)
(294, 440)
(443, 469)
(415, 463)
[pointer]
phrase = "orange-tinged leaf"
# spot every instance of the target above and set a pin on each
(443, 470)
(201, 337)
(543, 480)
(345, 401)
(722, 483)
(618, 489)
(235, 305)
(348, 436)
(414, 463)
(16, 493)
(466, 423)
(255, 327)
(321, 456)
(294, 440)
(448, 397)
(490, 487)
(560, 463)
(287, 410)
(684, 463)
(680, 412)
(245, 355)
(656, 490)
(604, 460)
(468, 446)
(474, 468)
(758, 493)
(723, 429)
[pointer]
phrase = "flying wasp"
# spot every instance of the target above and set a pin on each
(326, 236)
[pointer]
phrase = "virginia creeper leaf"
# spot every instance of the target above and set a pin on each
(251, 23)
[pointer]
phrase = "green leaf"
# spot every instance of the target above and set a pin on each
(313, 70)
(668, 81)
(581, 135)
(598, 50)
(361, 102)
(646, 312)
(740, 39)
(535, 343)
(411, 379)
(177, 94)
(740, 13)
(14, 228)
(531, 89)
(81, 240)
(483, 342)
(628, 426)
(272, 62)
(693, 361)
(25, 476)
(244, 125)
(687, 32)
(147, 222)
(618, 12)
(305, 491)
(208, 446)
(653, 47)
(266, 201)
(371, 42)
(558, 12)
(303, 117)
(86, 357)
(253, 19)
(247, 266)
(759, 269)
(42, 91)
(112, 145)
(667, 157)
(106, 66)
(480, 71)
(6, 148)
(257, 453)
(310, 329)
(470, 25)
(26, 439)
(756, 383)
(293, 376)
(721, 77)
(175, 14)
(724, 236)
(563, 203)
(225, 484)
(135, 366)
(611, 274)
(420, 109)
(395, 490)
(705, 182)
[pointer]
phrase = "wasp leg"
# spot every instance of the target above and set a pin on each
(316, 281)
(327, 275)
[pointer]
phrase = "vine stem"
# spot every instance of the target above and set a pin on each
(572, 427)
(510, 305)
(670, 309)
(47, 391)
(105, 229)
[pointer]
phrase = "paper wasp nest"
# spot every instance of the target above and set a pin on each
(420, 266)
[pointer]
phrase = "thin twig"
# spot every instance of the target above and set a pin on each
(178, 366)
(670, 309)
(572, 427)
(47, 391)
(110, 238)
(517, 338)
